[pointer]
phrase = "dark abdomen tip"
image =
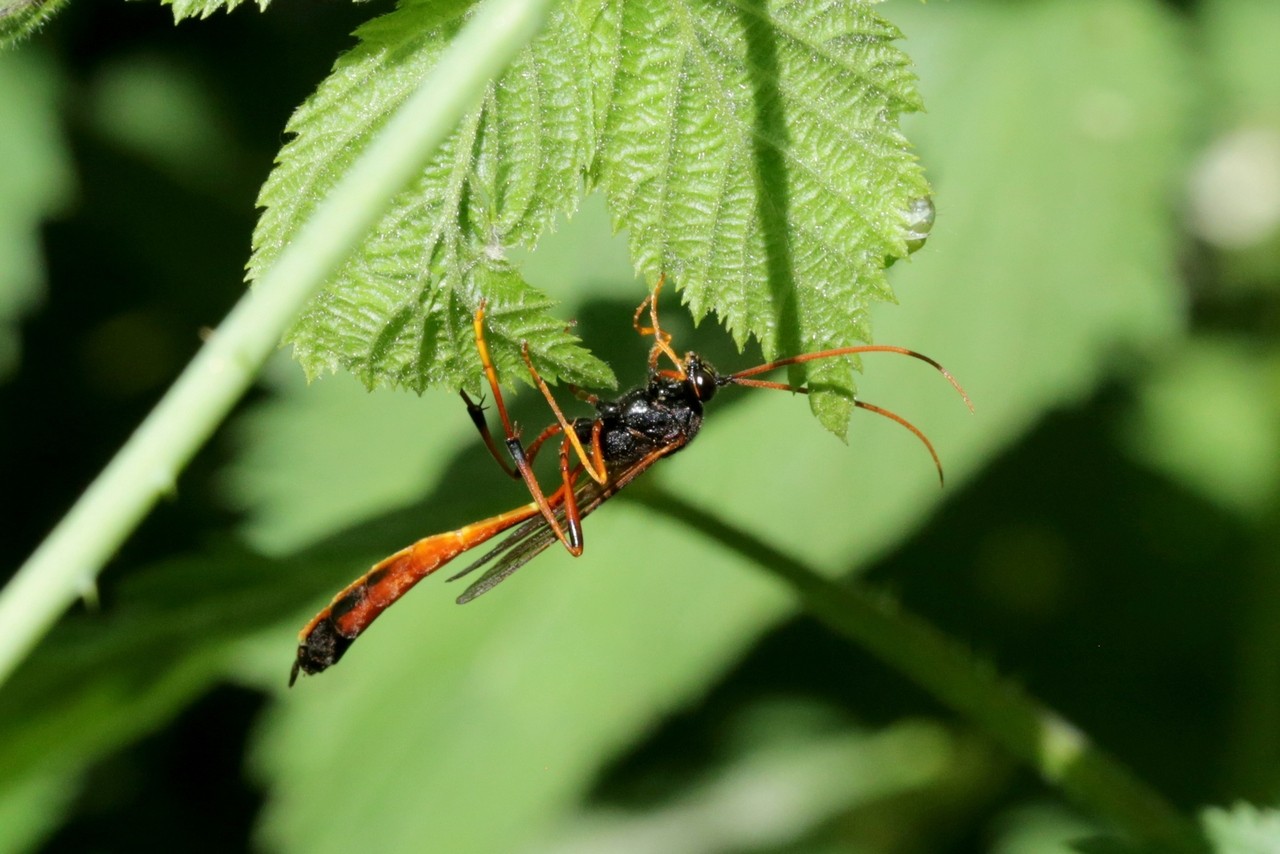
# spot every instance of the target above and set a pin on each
(320, 650)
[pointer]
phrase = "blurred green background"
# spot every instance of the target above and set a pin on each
(1104, 277)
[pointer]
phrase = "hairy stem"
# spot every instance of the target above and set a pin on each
(1063, 755)
(66, 564)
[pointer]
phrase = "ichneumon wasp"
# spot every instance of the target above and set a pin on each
(599, 455)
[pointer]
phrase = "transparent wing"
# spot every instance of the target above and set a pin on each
(531, 538)
(525, 543)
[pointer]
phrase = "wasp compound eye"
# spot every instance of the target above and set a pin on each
(704, 379)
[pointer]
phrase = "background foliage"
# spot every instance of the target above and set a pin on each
(1103, 278)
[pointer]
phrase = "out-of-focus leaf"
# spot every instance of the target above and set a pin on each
(1109, 844)
(1239, 38)
(101, 681)
(1040, 829)
(1243, 829)
(30, 807)
(165, 635)
(770, 797)
(318, 456)
(35, 180)
(160, 111)
(1234, 192)
(1210, 417)
(1052, 254)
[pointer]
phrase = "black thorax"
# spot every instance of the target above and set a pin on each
(665, 413)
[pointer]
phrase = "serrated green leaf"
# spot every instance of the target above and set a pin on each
(183, 9)
(20, 18)
(752, 150)
(399, 313)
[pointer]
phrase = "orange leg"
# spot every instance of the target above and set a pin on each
(572, 516)
(661, 340)
(593, 463)
(476, 411)
(517, 450)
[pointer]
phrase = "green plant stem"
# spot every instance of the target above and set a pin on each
(1061, 753)
(66, 564)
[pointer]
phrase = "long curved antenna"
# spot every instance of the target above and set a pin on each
(870, 407)
(893, 416)
(737, 378)
(742, 378)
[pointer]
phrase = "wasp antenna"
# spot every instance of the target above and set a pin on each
(893, 416)
(737, 378)
(733, 380)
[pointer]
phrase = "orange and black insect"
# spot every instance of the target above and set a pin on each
(599, 455)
